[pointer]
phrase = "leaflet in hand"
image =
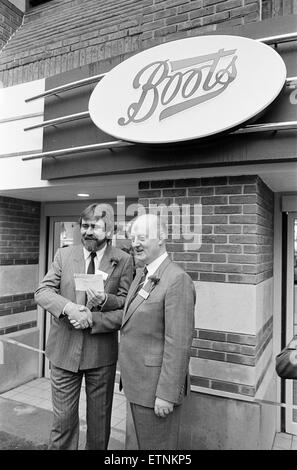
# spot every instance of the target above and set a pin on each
(89, 281)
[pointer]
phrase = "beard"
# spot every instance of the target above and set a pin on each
(92, 243)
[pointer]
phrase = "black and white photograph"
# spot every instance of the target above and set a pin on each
(148, 228)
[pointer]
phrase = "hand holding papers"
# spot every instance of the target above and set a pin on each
(103, 274)
(95, 298)
(93, 286)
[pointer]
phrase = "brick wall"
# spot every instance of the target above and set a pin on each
(10, 20)
(236, 247)
(65, 34)
(62, 35)
(19, 246)
(237, 226)
(231, 348)
(19, 231)
(273, 8)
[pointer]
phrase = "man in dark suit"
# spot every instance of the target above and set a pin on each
(76, 353)
(157, 326)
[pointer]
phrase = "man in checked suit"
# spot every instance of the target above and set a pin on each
(76, 353)
(157, 327)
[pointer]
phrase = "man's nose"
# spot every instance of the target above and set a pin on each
(90, 230)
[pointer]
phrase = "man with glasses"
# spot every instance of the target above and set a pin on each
(157, 327)
(76, 353)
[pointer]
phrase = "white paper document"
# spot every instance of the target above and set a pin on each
(89, 281)
(103, 274)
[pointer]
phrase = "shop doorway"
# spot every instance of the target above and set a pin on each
(291, 318)
(63, 231)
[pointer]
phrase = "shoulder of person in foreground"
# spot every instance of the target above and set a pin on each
(286, 361)
(179, 280)
(175, 270)
(119, 254)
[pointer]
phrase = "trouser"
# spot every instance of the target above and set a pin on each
(66, 386)
(153, 432)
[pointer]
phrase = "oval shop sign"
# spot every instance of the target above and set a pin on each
(187, 89)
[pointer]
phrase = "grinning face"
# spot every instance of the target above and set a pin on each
(93, 234)
(146, 241)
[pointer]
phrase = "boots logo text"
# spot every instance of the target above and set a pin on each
(178, 85)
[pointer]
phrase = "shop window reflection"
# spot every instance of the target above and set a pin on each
(67, 233)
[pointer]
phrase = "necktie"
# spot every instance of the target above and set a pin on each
(91, 267)
(140, 285)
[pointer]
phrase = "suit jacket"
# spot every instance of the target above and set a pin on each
(67, 347)
(286, 361)
(156, 336)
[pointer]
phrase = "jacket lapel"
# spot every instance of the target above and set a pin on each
(106, 264)
(131, 307)
(133, 288)
(78, 260)
(79, 268)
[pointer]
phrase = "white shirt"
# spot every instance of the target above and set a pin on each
(97, 261)
(154, 265)
(97, 258)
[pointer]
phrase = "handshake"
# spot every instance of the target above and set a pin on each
(79, 316)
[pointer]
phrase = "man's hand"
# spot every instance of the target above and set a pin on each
(95, 298)
(79, 314)
(163, 407)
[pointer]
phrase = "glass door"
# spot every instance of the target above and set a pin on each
(64, 231)
(291, 328)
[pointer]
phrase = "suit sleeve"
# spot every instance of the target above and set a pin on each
(117, 301)
(179, 329)
(47, 294)
(286, 361)
(106, 322)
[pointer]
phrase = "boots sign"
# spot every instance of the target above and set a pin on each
(187, 89)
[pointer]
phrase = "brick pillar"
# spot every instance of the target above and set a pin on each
(10, 19)
(274, 8)
(232, 271)
(19, 257)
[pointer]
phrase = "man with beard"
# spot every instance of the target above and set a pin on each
(76, 353)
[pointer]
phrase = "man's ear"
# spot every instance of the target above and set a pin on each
(162, 238)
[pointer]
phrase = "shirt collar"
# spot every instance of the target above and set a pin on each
(98, 252)
(154, 265)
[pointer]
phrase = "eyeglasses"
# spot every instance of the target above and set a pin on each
(135, 239)
(95, 227)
